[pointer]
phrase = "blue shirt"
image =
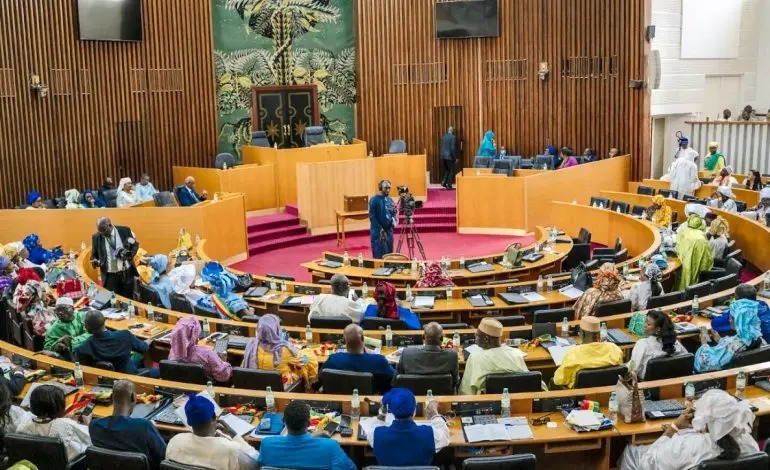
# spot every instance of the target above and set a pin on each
(114, 347)
(364, 362)
(404, 443)
(126, 434)
(410, 318)
(305, 451)
(721, 323)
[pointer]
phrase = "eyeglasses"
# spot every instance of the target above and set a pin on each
(541, 421)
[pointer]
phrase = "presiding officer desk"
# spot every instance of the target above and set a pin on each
(591, 450)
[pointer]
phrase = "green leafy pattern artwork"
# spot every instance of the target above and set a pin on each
(283, 42)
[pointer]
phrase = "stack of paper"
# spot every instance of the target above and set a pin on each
(571, 292)
(238, 425)
(498, 432)
(424, 301)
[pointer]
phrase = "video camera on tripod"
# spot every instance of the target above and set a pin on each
(407, 204)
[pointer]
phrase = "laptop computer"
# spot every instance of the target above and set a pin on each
(512, 298)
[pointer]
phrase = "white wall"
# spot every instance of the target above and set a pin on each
(762, 101)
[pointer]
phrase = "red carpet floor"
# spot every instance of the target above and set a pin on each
(288, 260)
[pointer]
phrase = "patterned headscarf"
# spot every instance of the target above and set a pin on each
(270, 339)
(12, 250)
(32, 196)
(222, 282)
(385, 294)
(747, 324)
(659, 200)
(433, 276)
(652, 272)
(31, 242)
(158, 263)
(4, 262)
(551, 150)
(184, 339)
(72, 196)
(27, 274)
(695, 222)
(719, 227)
(608, 278)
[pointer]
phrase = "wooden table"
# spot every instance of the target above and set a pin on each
(342, 216)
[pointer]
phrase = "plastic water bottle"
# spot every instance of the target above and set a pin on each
(269, 399)
(456, 340)
(275, 145)
(408, 294)
(449, 295)
(355, 405)
(767, 280)
(428, 397)
(371, 154)
(617, 209)
(360, 260)
(82, 246)
(462, 262)
(91, 290)
(613, 407)
(72, 260)
(210, 388)
(740, 383)
(413, 268)
(346, 259)
(77, 374)
(625, 270)
(540, 283)
(150, 313)
(224, 165)
(283, 286)
(695, 305)
(388, 337)
(565, 328)
(603, 332)
(114, 300)
(689, 392)
(131, 311)
(216, 197)
(308, 335)
(206, 328)
(273, 285)
(364, 290)
(549, 283)
(505, 404)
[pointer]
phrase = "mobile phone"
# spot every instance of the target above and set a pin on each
(265, 424)
(89, 408)
(331, 427)
(345, 421)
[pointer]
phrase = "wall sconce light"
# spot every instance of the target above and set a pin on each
(543, 70)
(39, 88)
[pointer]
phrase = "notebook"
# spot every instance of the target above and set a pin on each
(238, 425)
(480, 267)
(513, 298)
(514, 429)
(480, 301)
(571, 291)
(256, 292)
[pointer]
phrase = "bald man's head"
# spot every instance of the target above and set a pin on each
(354, 338)
(189, 182)
(94, 321)
(123, 397)
(433, 334)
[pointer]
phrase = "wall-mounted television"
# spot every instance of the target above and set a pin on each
(467, 19)
(110, 20)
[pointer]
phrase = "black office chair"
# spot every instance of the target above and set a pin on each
(741, 206)
(515, 160)
(512, 320)
(724, 283)
(342, 382)
(580, 253)
(621, 256)
(665, 299)
(171, 465)
(701, 289)
(600, 201)
(164, 199)
(376, 323)
(553, 315)
(506, 462)
(202, 311)
(515, 382)
(420, 384)
(481, 162)
(186, 372)
(47, 453)
(110, 197)
(540, 329)
(98, 458)
(750, 357)
(669, 193)
(600, 377)
(260, 379)
(584, 236)
(147, 295)
(540, 160)
(179, 303)
(646, 190)
(623, 206)
(638, 211)
(670, 367)
(224, 159)
(502, 167)
(604, 255)
(616, 307)
(397, 146)
(526, 164)
(259, 139)
(758, 461)
(334, 323)
(313, 135)
(454, 326)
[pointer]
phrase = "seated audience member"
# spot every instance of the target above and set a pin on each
(17, 253)
(433, 275)
(567, 158)
(159, 281)
(726, 115)
(31, 300)
(8, 273)
(72, 196)
(356, 359)
(725, 178)
(34, 200)
(69, 332)
(187, 195)
(14, 380)
(12, 417)
(430, 358)
(185, 348)
(494, 358)
(717, 237)
(337, 303)
(753, 181)
(659, 340)
(120, 347)
(744, 320)
(298, 448)
(606, 289)
(759, 211)
(552, 151)
(591, 354)
(126, 193)
(48, 405)
(724, 199)
(396, 439)
(613, 153)
(39, 255)
(270, 351)
(718, 427)
(211, 444)
(746, 294)
(715, 161)
(648, 286)
(693, 251)
(145, 190)
(660, 212)
(387, 307)
(123, 433)
(107, 185)
(90, 201)
(503, 152)
(223, 299)
(590, 155)
(182, 279)
(488, 147)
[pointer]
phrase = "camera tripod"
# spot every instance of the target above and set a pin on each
(409, 233)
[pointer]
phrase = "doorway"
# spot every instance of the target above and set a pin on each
(445, 117)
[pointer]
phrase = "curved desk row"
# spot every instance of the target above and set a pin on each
(551, 445)
(751, 198)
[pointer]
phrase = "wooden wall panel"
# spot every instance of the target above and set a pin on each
(115, 109)
(525, 112)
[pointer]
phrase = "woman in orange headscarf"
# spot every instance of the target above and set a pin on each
(606, 289)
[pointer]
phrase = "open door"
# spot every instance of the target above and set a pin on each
(445, 117)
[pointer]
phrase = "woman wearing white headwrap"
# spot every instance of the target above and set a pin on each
(718, 428)
(126, 195)
(182, 279)
(73, 199)
(726, 199)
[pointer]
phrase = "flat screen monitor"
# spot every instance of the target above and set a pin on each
(110, 20)
(467, 19)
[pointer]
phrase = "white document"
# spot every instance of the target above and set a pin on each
(533, 296)
(472, 348)
(238, 425)
(571, 292)
(485, 432)
(585, 418)
(424, 301)
(558, 352)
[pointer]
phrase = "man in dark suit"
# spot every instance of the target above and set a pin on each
(112, 251)
(429, 359)
(187, 195)
(448, 156)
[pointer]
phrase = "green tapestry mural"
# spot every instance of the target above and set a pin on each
(283, 42)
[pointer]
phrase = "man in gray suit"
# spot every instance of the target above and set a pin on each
(429, 359)
(448, 156)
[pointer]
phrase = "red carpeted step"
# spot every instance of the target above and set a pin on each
(268, 222)
(275, 244)
(432, 219)
(292, 210)
(276, 233)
